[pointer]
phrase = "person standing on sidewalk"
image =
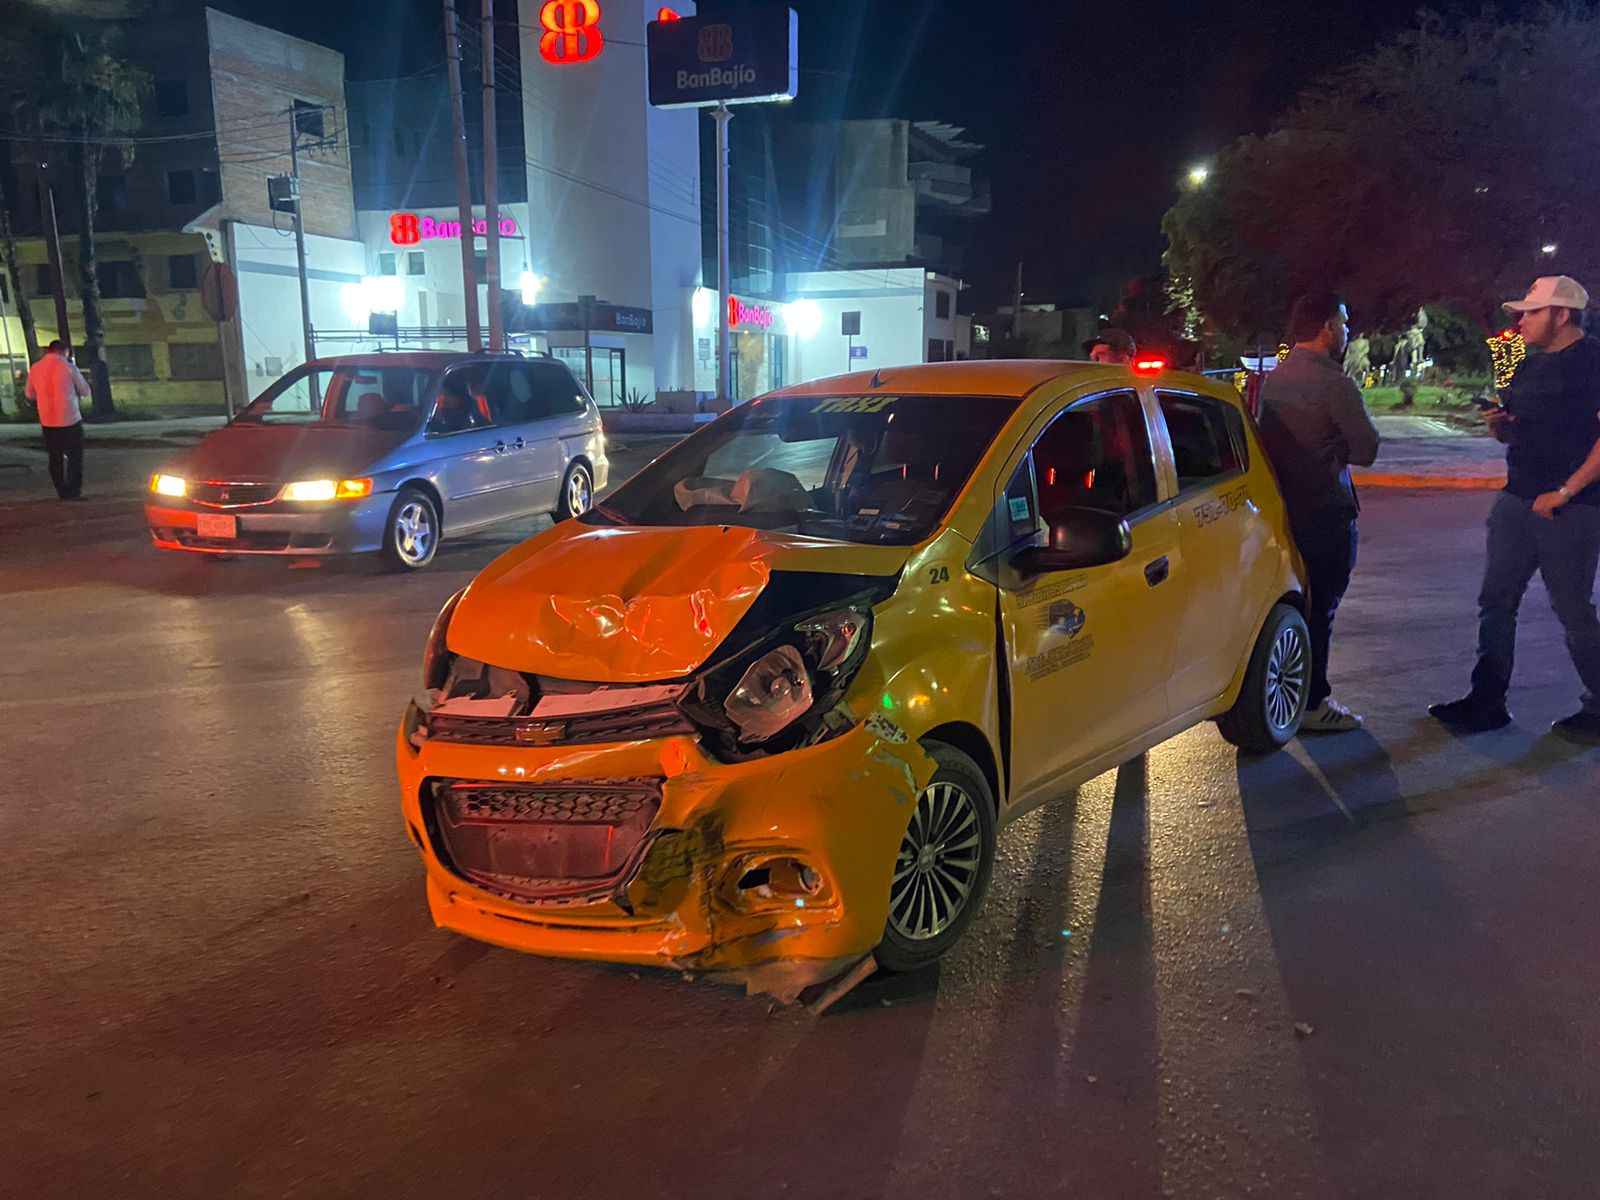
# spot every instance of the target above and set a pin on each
(56, 386)
(1548, 517)
(1314, 424)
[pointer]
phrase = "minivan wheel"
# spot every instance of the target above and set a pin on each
(411, 534)
(942, 868)
(1273, 699)
(577, 493)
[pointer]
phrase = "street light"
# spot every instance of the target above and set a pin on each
(1548, 249)
(531, 285)
(1198, 175)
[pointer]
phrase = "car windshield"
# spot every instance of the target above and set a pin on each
(880, 470)
(377, 397)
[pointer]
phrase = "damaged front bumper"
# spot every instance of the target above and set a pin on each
(773, 872)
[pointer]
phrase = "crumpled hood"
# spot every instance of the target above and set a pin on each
(633, 605)
(283, 453)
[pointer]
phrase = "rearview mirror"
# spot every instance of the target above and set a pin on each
(1080, 538)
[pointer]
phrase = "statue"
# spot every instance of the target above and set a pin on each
(1409, 351)
(1358, 360)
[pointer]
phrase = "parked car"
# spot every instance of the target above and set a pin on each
(385, 453)
(766, 709)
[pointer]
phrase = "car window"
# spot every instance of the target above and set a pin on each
(1206, 444)
(875, 469)
(462, 402)
(552, 391)
(389, 398)
(1095, 455)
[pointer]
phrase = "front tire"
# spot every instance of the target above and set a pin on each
(577, 493)
(1272, 701)
(411, 531)
(942, 868)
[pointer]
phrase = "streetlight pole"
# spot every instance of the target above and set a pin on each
(458, 140)
(300, 236)
(491, 186)
(724, 286)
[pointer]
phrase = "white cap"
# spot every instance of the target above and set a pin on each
(1551, 291)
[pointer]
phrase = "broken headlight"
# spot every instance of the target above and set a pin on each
(436, 657)
(781, 693)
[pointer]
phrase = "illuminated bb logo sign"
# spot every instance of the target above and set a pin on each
(716, 43)
(571, 31)
(740, 313)
(407, 229)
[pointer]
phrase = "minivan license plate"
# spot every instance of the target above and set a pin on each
(216, 525)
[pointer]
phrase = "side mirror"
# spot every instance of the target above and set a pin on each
(1080, 538)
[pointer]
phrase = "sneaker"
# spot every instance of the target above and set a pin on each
(1580, 726)
(1329, 717)
(1471, 715)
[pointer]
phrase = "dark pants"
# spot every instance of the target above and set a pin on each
(1328, 545)
(1565, 552)
(66, 458)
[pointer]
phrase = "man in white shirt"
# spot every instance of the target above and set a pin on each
(56, 386)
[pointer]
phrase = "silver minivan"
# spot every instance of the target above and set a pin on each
(385, 453)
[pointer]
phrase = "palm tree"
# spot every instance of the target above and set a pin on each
(97, 105)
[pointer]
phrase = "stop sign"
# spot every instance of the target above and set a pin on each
(219, 292)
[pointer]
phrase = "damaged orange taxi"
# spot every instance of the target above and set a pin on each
(763, 713)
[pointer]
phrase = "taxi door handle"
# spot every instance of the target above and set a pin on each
(518, 444)
(500, 447)
(1156, 573)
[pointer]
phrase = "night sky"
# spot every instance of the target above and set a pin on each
(1091, 112)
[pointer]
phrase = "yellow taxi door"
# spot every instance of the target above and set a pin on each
(1089, 650)
(1228, 551)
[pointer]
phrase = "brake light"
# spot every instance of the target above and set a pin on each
(666, 14)
(1149, 366)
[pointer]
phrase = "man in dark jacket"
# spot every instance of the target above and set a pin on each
(1548, 517)
(1314, 424)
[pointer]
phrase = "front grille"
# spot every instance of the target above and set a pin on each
(260, 542)
(626, 725)
(221, 494)
(542, 842)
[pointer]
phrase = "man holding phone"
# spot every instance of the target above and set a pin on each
(1548, 517)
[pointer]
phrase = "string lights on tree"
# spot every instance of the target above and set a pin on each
(1508, 350)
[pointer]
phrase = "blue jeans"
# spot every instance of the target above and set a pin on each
(1565, 552)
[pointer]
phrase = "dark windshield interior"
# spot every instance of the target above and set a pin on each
(378, 397)
(870, 469)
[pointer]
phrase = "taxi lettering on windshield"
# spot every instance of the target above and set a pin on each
(855, 404)
(1228, 502)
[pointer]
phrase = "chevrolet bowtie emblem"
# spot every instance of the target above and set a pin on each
(540, 733)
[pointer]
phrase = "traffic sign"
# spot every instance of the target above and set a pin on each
(219, 292)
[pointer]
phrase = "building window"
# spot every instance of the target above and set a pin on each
(5, 290)
(935, 349)
(308, 122)
(180, 188)
(386, 265)
(172, 98)
(480, 268)
(941, 305)
(183, 275)
(210, 187)
(111, 193)
(416, 262)
(949, 350)
(44, 283)
(195, 360)
(130, 361)
(120, 281)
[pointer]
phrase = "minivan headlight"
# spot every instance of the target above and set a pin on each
(312, 490)
(174, 487)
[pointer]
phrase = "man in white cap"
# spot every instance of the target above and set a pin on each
(1548, 517)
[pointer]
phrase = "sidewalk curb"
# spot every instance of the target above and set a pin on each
(1456, 483)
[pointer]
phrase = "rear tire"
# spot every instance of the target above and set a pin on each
(1272, 700)
(411, 531)
(577, 493)
(942, 869)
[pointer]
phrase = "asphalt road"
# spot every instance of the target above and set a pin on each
(1360, 968)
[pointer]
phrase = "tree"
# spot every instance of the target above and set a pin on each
(21, 47)
(97, 104)
(1436, 169)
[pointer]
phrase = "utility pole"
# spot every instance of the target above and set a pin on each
(491, 185)
(300, 235)
(724, 350)
(458, 136)
(52, 241)
(1016, 317)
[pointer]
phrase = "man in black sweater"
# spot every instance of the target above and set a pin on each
(1548, 517)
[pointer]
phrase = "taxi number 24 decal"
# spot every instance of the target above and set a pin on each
(855, 404)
